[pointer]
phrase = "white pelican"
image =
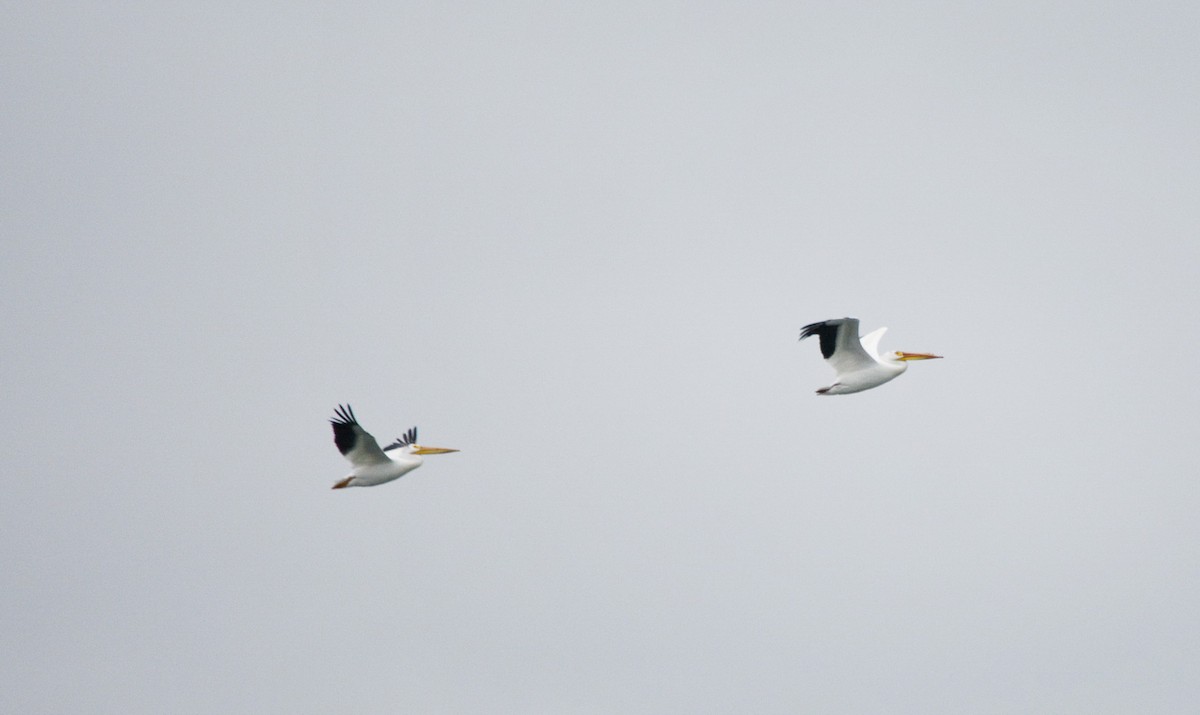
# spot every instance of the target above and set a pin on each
(858, 363)
(373, 465)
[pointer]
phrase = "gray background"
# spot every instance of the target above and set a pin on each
(577, 242)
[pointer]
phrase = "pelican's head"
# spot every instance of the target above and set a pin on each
(407, 444)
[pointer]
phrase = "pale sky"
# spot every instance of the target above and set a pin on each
(578, 242)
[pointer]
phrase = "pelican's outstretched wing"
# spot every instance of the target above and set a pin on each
(840, 344)
(355, 443)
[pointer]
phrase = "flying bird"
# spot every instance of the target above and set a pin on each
(372, 465)
(858, 363)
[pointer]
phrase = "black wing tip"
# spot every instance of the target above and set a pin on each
(409, 437)
(344, 415)
(814, 328)
(828, 331)
(345, 428)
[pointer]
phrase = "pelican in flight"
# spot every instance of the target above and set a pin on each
(372, 465)
(858, 363)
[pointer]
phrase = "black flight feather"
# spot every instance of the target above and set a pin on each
(827, 333)
(345, 436)
(409, 437)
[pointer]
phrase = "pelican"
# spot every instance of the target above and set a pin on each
(372, 465)
(858, 363)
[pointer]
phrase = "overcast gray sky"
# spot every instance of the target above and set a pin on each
(577, 242)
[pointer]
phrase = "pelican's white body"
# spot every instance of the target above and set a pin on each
(865, 368)
(858, 362)
(374, 466)
(398, 462)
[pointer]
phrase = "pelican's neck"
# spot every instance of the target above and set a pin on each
(891, 362)
(406, 457)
